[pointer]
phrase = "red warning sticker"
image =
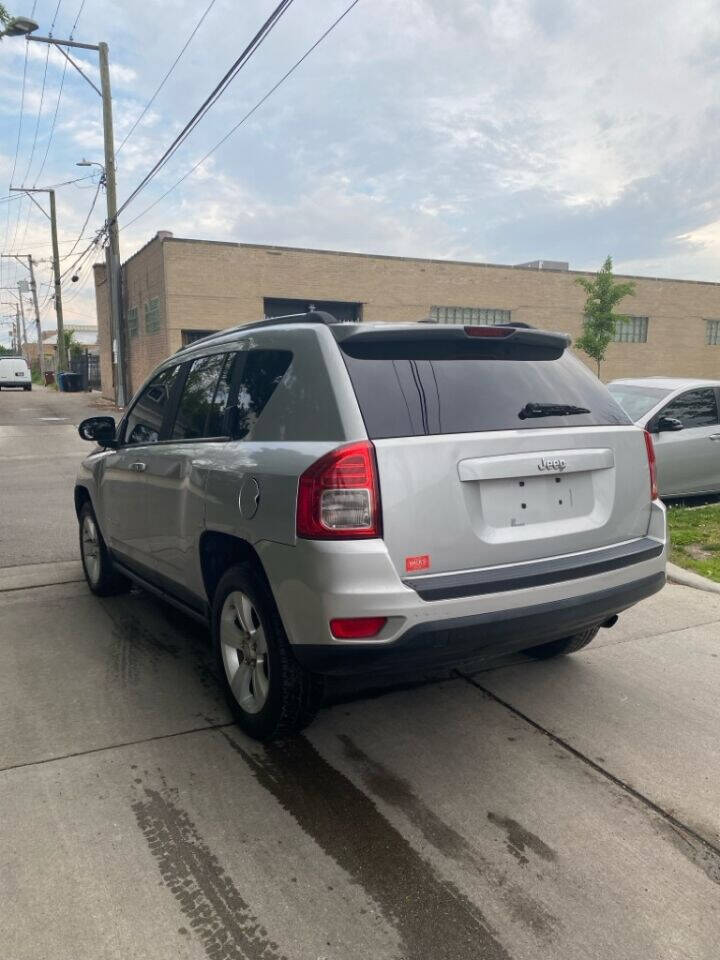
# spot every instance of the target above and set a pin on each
(417, 563)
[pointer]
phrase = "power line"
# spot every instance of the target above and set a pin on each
(166, 77)
(87, 218)
(247, 116)
(59, 98)
(214, 95)
(42, 98)
(37, 122)
(17, 147)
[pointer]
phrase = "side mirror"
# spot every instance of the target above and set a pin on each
(100, 430)
(669, 425)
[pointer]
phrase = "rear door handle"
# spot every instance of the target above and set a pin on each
(138, 466)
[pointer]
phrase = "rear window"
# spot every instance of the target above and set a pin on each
(440, 387)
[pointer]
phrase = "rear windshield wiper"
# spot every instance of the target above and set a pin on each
(550, 410)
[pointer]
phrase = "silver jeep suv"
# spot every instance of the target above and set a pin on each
(338, 498)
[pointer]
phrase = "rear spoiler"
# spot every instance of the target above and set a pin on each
(426, 333)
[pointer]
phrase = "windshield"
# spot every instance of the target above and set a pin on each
(637, 401)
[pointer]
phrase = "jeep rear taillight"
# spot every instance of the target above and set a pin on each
(652, 465)
(339, 495)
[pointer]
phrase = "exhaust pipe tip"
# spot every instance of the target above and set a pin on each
(610, 622)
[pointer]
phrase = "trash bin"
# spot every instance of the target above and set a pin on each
(61, 382)
(73, 382)
(49, 377)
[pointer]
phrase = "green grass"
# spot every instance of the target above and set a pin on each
(695, 539)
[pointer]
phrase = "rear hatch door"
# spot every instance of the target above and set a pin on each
(494, 446)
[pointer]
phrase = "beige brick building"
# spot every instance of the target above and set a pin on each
(176, 290)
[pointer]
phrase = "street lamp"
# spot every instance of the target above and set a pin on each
(20, 26)
(92, 163)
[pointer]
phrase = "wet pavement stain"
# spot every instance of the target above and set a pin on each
(398, 793)
(137, 646)
(217, 914)
(519, 840)
(433, 918)
(134, 647)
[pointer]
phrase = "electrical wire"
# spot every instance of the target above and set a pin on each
(247, 116)
(17, 150)
(42, 97)
(212, 98)
(166, 77)
(59, 98)
(87, 218)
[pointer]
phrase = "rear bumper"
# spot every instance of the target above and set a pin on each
(316, 581)
(16, 383)
(492, 634)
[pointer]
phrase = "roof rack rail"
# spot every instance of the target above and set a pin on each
(312, 316)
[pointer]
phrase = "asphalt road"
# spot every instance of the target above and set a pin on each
(561, 810)
(39, 453)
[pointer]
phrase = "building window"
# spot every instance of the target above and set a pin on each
(631, 330)
(712, 333)
(343, 311)
(192, 336)
(152, 315)
(132, 322)
(469, 315)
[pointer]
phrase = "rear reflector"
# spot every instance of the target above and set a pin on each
(489, 331)
(652, 465)
(357, 628)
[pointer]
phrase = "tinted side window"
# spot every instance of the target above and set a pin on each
(262, 372)
(696, 408)
(145, 419)
(216, 426)
(197, 398)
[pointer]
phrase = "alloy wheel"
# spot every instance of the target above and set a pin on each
(244, 652)
(91, 549)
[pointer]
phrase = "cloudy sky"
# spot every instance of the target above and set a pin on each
(489, 130)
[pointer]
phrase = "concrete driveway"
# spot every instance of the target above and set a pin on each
(565, 809)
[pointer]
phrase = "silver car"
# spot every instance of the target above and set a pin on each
(336, 498)
(682, 416)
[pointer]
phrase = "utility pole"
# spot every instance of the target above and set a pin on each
(113, 255)
(62, 352)
(52, 217)
(33, 289)
(22, 26)
(16, 331)
(41, 345)
(22, 317)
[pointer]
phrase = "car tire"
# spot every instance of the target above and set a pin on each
(28, 387)
(558, 648)
(100, 574)
(270, 694)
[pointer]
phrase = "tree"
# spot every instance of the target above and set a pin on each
(599, 321)
(4, 16)
(72, 347)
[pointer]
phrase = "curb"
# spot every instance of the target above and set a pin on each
(687, 578)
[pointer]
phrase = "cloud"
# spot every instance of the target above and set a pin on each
(501, 130)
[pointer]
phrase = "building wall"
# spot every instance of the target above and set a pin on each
(143, 280)
(208, 285)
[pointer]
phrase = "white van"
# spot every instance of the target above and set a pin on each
(14, 372)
